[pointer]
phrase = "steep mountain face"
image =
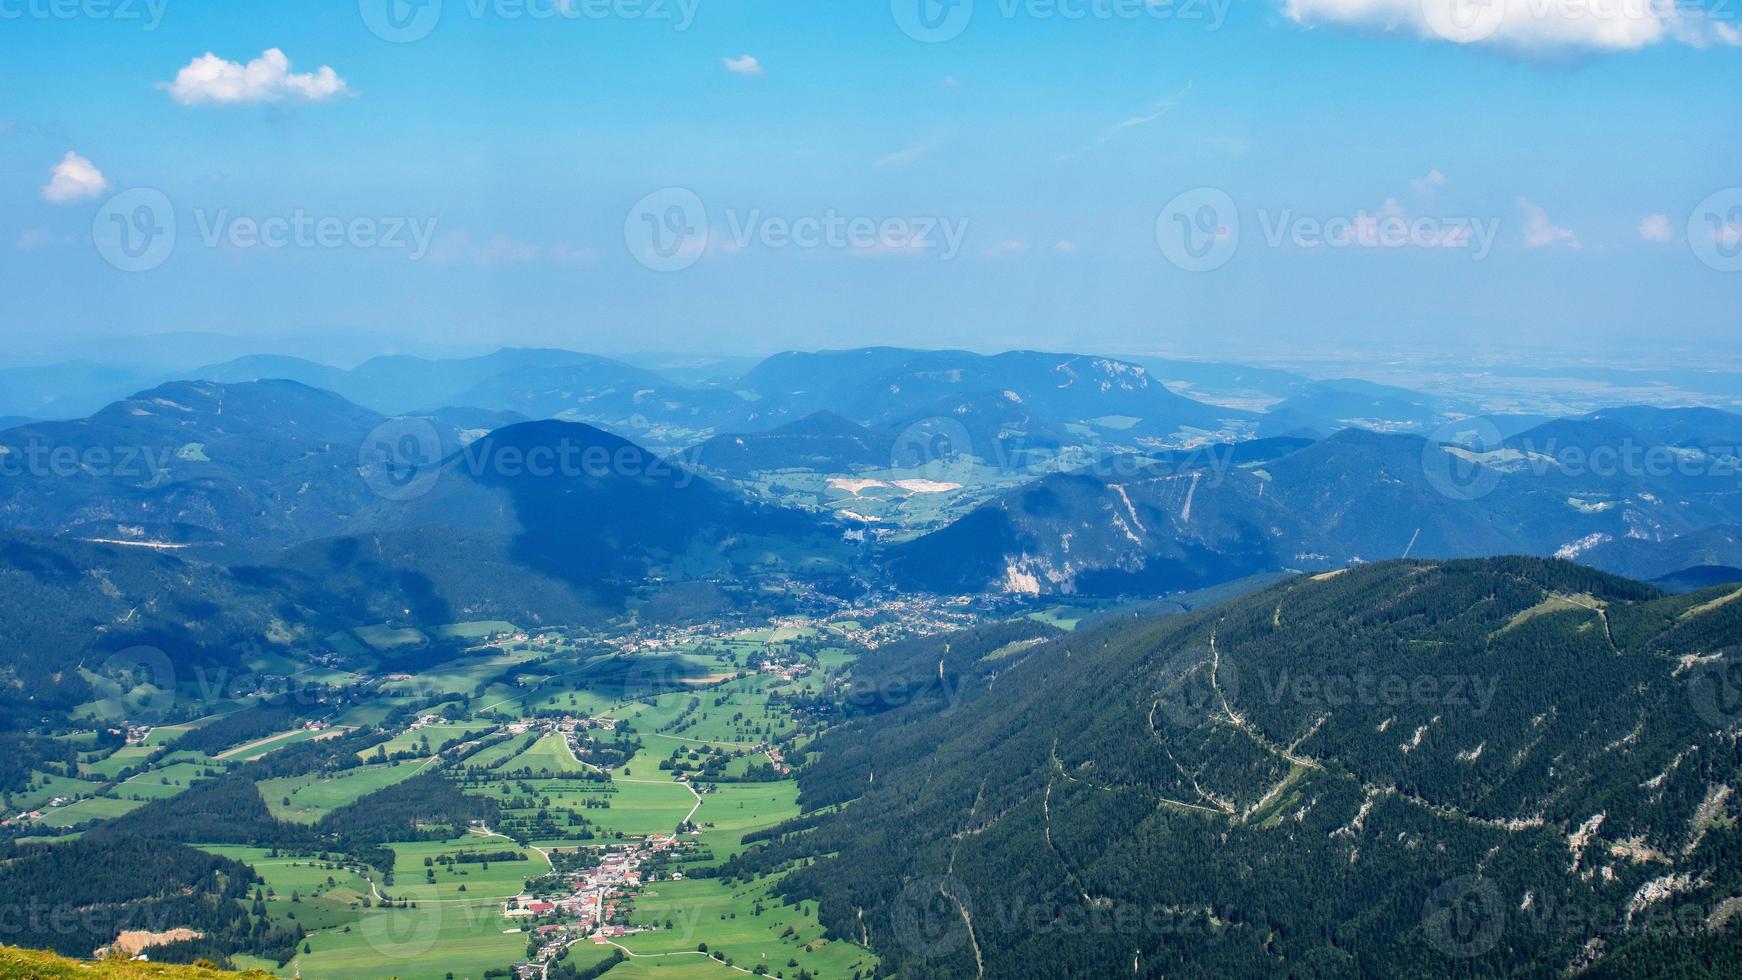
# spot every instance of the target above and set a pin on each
(263, 462)
(1571, 487)
(1191, 520)
(587, 507)
(885, 383)
(1509, 767)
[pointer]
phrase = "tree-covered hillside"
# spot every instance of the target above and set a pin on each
(1477, 768)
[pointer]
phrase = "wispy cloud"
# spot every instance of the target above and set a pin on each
(907, 154)
(1156, 111)
(1425, 187)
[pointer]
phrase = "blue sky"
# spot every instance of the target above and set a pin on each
(1376, 185)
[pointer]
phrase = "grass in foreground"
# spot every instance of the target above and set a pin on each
(28, 964)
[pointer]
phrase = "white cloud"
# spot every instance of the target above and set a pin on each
(1530, 25)
(211, 80)
(1657, 228)
(1540, 232)
(74, 179)
(951, 82)
(1065, 247)
(743, 65)
(1014, 246)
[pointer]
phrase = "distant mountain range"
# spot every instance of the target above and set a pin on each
(252, 468)
(1640, 491)
(1015, 402)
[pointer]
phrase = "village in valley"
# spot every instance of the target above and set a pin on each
(621, 767)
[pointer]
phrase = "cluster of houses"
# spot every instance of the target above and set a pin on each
(592, 906)
(30, 815)
(786, 671)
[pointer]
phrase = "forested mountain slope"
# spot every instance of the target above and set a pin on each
(1480, 768)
